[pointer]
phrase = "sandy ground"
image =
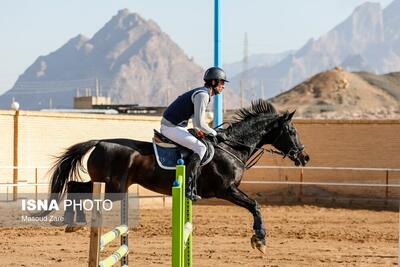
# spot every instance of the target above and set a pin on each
(298, 236)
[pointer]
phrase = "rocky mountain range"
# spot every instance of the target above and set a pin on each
(255, 60)
(368, 40)
(132, 58)
(136, 62)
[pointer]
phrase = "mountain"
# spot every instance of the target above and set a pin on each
(368, 40)
(133, 59)
(339, 94)
(356, 62)
(256, 60)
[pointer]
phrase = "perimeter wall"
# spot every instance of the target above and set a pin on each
(330, 143)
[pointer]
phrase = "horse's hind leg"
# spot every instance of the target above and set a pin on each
(69, 213)
(236, 196)
(85, 191)
(76, 193)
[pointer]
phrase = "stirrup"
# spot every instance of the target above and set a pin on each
(191, 193)
(192, 196)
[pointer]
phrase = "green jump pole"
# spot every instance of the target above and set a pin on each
(181, 221)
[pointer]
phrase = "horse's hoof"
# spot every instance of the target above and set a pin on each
(57, 223)
(73, 228)
(258, 243)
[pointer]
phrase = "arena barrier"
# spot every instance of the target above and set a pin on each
(181, 221)
(99, 241)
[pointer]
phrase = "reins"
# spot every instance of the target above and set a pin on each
(256, 158)
(260, 150)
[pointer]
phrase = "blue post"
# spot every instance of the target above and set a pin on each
(218, 104)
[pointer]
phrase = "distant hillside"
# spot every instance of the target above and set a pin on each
(133, 59)
(389, 82)
(368, 40)
(340, 94)
(256, 60)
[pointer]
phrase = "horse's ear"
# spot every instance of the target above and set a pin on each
(290, 115)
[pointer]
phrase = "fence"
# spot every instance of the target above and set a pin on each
(99, 241)
(379, 183)
(302, 184)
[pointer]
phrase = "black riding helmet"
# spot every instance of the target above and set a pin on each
(215, 73)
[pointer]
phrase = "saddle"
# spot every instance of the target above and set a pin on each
(168, 152)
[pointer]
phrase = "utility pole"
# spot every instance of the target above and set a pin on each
(167, 97)
(97, 87)
(262, 89)
(241, 94)
(245, 53)
(245, 66)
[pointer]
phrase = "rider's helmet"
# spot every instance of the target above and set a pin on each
(215, 73)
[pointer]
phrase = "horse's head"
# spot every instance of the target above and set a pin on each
(261, 124)
(287, 140)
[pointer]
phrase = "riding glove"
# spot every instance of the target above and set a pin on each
(212, 138)
(221, 137)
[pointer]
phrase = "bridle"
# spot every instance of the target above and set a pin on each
(292, 153)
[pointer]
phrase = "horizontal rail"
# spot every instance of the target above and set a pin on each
(22, 185)
(25, 167)
(316, 183)
(112, 235)
(187, 230)
(115, 257)
(325, 168)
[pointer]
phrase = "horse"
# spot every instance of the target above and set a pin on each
(120, 163)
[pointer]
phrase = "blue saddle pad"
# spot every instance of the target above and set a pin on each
(166, 156)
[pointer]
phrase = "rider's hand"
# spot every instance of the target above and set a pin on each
(212, 138)
(221, 137)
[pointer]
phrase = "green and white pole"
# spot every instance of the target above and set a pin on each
(181, 221)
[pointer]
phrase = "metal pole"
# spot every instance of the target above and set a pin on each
(241, 94)
(125, 221)
(36, 183)
(177, 217)
(15, 170)
(218, 113)
(301, 184)
(262, 89)
(387, 187)
(181, 221)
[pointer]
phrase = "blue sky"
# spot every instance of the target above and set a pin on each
(32, 28)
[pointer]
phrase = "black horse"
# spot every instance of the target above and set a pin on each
(123, 162)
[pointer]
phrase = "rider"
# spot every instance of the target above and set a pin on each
(176, 116)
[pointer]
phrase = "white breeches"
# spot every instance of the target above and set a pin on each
(180, 135)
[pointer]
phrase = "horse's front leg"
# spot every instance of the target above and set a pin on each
(236, 196)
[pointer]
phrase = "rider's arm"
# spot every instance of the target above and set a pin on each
(200, 101)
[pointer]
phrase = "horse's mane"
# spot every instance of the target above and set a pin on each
(257, 107)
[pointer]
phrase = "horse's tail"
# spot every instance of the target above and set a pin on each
(67, 168)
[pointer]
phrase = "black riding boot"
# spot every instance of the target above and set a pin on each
(192, 172)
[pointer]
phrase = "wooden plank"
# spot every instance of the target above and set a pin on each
(95, 230)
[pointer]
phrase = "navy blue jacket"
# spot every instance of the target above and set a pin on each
(182, 109)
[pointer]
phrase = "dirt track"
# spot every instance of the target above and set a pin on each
(298, 236)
